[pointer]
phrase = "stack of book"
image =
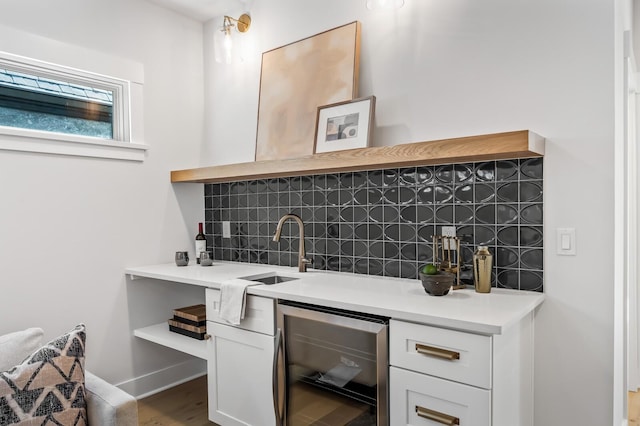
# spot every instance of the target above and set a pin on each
(190, 321)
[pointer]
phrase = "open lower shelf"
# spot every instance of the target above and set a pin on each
(160, 334)
(496, 146)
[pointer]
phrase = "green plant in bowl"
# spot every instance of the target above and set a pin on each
(429, 269)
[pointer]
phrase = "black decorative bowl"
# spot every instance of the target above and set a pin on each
(437, 284)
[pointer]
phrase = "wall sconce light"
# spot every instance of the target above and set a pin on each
(224, 50)
(384, 4)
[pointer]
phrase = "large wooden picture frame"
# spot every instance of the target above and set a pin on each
(298, 78)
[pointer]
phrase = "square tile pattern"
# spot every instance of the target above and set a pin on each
(381, 222)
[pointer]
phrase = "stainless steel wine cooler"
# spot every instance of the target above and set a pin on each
(330, 368)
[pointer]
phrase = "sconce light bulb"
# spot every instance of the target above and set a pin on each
(228, 43)
(228, 46)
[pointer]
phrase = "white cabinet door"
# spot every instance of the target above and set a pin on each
(240, 371)
(420, 400)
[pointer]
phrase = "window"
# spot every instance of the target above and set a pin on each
(29, 101)
(75, 112)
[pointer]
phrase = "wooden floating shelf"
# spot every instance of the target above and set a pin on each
(496, 146)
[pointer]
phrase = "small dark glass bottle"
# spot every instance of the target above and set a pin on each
(201, 242)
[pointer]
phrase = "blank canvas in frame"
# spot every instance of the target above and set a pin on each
(295, 80)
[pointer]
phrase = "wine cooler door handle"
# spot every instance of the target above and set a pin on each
(278, 404)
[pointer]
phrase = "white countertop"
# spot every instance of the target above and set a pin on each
(403, 299)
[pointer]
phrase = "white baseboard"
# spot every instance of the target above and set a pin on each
(157, 381)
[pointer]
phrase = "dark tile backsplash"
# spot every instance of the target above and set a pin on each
(381, 222)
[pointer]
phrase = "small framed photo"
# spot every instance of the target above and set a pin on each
(344, 125)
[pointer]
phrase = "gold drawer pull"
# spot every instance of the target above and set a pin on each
(436, 416)
(437, 352)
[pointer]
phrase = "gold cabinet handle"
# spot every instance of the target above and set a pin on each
(436, 416)
(437, 352)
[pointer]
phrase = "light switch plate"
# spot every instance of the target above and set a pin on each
(566, 241)
(226, 229)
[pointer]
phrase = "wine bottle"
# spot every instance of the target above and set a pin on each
(201, 242)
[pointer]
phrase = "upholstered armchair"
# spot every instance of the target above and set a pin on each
(49, 382)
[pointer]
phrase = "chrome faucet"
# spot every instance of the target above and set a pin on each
(302, 260)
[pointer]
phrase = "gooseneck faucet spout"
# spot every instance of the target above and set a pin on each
(302, 260)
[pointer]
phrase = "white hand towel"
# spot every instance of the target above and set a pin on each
(233, 295)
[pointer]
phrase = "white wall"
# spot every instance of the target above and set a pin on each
(69, 226)
(462, 67)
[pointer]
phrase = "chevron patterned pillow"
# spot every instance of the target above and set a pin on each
(48, 387)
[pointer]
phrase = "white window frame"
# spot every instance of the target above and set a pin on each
(121, 147)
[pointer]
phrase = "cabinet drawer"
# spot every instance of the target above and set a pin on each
(453, 355)
(259, 313)
(418, 400)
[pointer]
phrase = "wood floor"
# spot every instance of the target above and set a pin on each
(185, 404)
(634, 408)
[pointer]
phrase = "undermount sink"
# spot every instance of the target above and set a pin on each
(271, 279)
